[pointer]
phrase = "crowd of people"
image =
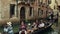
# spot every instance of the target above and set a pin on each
(8, 29)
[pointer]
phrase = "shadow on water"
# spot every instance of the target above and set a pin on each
(47, 31)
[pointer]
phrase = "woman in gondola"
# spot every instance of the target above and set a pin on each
(23, 28)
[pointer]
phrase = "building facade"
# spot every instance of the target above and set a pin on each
(54, 5)
(24, 9)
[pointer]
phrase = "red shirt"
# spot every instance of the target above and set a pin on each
(23, 27)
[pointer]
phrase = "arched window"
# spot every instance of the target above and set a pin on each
(22, 13)
(49, 1)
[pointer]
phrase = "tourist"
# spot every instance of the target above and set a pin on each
(23, 28)
(41, 25)
(10, 28)
(34, 25)
(46, 23)
(37, 23)
(5, 29)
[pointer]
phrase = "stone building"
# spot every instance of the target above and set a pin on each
(55, 5)
(23, 9)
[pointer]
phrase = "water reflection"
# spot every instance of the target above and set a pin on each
(48, 31)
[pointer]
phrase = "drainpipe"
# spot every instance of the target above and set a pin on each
(16, 8)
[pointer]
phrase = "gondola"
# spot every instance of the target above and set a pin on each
(44, 28)
(38, 29)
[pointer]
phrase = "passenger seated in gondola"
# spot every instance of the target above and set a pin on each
(46, 23)
(34, 25)
(41, 25)
(37, 22)
(22, 28)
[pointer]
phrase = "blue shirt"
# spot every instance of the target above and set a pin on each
(10, 30)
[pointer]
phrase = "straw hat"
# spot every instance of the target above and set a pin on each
(9, 23)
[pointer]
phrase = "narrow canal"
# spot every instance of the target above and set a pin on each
(53, 30)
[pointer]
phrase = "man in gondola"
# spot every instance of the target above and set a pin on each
(41, 25)
(37, 23)
(34, 25)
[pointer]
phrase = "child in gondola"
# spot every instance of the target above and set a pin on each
(23, 28)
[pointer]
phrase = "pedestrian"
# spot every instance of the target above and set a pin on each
(5, 29)
(10, 28)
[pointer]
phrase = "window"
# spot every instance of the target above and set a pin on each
(0, 15)
(30, 13)
(54, 7)
(32, 0)
(21, 0)
(49, 1)
(26, 0)
(40, 12)
(12, 7)
(40, 2)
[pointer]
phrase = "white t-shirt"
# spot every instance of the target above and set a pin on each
(41, 25)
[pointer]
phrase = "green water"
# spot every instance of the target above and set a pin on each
(52, 30)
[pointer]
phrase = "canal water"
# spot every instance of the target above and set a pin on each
(53, 30)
